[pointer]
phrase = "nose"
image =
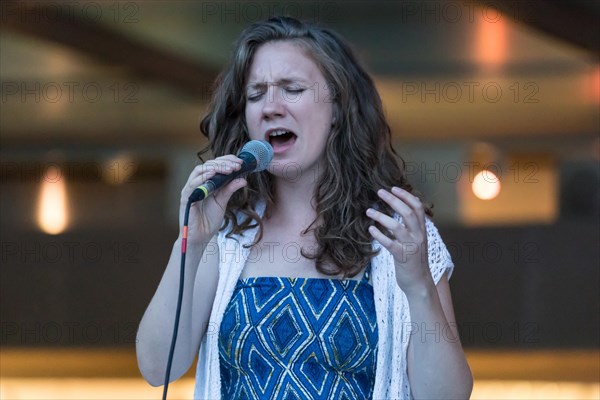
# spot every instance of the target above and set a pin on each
(273, 103)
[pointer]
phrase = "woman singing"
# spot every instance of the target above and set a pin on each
(322, 277)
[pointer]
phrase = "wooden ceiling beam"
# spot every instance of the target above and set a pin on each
(106, 45)
(572, 21)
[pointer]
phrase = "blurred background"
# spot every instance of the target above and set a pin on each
(493, 105)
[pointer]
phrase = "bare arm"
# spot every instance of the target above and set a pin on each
(437, 367)
(156, 328)
(200, 282)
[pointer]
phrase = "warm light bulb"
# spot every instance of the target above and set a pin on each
(486, 185)
(492, 41)
(52, 213)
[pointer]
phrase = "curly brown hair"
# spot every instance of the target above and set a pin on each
(359, 155)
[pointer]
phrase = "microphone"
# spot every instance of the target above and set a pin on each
(256, 156)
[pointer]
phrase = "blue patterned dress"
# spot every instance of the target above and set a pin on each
(299, 338)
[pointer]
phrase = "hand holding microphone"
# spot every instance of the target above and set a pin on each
(255, 155)
(214, 183)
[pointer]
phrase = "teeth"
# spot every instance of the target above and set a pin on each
(278, 132)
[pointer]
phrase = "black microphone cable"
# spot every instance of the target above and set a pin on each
(184, 235)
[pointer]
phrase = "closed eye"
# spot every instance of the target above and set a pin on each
(294, 90)
(254, 96)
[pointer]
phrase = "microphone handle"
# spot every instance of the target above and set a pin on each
(214, 183)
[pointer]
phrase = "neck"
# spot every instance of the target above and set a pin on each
(294, 200)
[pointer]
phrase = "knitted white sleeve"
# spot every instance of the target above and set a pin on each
(439, 257)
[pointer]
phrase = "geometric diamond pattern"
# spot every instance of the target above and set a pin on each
(318, 293)
(228, 329)
(299, 338)
(315, 376)
(284, 331)
(261, 367)
(262, 294)
(344, 340)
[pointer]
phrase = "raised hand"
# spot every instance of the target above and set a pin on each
(405, 239)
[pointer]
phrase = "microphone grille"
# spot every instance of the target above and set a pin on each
(262, 151)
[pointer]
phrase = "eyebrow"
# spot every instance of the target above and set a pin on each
(284, 81)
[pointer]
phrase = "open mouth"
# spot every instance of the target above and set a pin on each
(281, 140)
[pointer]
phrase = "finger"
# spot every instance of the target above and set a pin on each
(223, 195)
(409, 199)
(409, 217)
(230, 157)
(221, 166)
(385, 241)
(204, 172)
(386, 221)
(413, 202)
(193, 183)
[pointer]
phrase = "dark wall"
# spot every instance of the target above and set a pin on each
(527, 286)
(522, 287)
(82, 288)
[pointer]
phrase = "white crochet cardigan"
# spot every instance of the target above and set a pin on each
(391, 306)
